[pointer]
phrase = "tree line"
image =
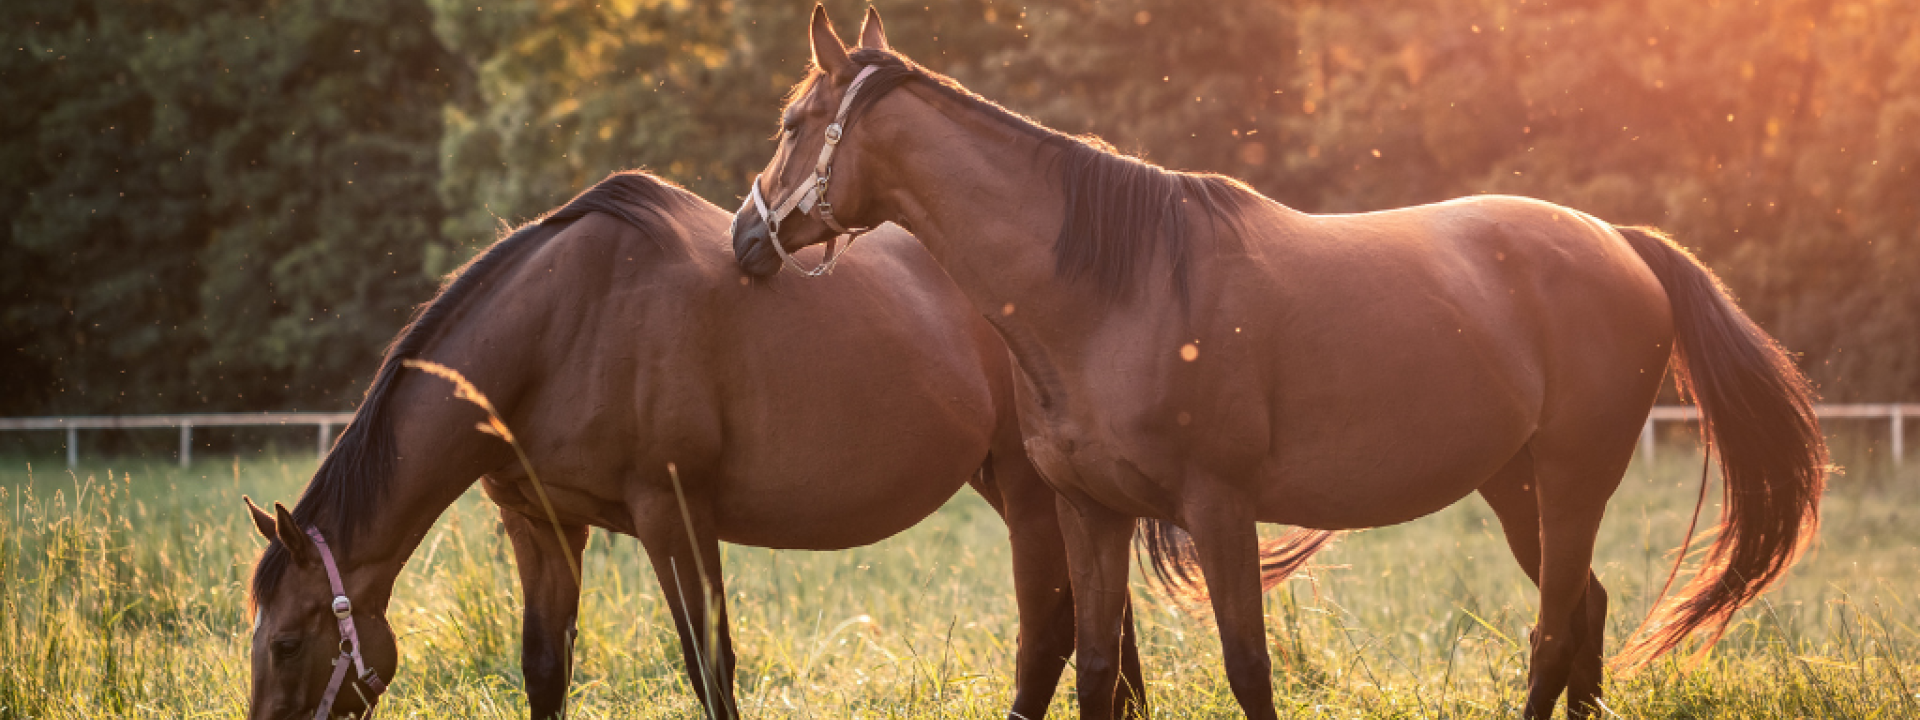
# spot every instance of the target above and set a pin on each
(223, 205)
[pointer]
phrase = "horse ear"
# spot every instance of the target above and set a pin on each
(296, 540)
(829, 54)
(873, 35)
(261, 520)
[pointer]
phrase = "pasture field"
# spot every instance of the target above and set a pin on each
(121, 595)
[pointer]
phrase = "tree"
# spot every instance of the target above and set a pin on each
(222, 205)
(218, 206)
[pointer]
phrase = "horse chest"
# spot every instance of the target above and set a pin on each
(1076, 459)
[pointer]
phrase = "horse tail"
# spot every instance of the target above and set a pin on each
(1756, 411)
(1177, 565)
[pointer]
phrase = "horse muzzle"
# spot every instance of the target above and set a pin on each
(753, 244)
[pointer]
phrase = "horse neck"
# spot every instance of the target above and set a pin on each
(971, 190)
(433, 466)
(984, 199)
(437, 452)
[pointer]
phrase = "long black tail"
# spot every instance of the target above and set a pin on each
(1756, 411)
(1177, 566)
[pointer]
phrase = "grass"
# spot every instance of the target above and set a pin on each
(121, 592)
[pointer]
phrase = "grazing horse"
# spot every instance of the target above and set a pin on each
(616, 337)
(1200, 358)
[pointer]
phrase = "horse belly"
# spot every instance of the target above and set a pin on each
(826, 481)
(1369, 479)
(834, 507)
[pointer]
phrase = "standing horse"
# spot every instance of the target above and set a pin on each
(1198, 356)
(615, 337)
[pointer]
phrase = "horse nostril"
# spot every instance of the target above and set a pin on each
(753, 249)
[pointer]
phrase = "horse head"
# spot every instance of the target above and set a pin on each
(322, 647)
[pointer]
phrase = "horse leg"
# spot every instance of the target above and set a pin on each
(1096, 540)
(1589, 658)
(1510, 492)
(1227, 541)
(1572, 492)
(1133, 685)
(553, 604)
(1040, 581)
(687, 562)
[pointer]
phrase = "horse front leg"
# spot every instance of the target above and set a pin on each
(1096, 541)
(687, 562)
(1226, 539)
(552, 607)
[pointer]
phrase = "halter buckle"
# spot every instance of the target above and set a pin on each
(833, 134)
(342, 607)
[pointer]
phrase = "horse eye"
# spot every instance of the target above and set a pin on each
(285, 648)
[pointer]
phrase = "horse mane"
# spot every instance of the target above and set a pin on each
(1119, 208)
(354, 476)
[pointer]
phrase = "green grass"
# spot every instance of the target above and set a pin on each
(121, 591)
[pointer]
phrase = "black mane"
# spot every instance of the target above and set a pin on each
(353, 478)
(1118, 208)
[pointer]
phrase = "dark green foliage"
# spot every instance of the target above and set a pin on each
(221, 205)
(213, 205)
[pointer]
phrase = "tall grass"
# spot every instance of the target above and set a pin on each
(121, 593)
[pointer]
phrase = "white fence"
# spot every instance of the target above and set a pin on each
(1894, 413)
(324, 422)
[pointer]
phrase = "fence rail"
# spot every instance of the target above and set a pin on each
(325, 422)
(1894, 413)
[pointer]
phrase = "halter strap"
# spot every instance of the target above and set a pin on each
(349, 639)
(811, 197)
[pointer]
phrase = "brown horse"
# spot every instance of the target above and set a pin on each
(1201, 357)
(615, 336)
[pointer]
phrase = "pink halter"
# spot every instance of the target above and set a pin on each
(349, 640)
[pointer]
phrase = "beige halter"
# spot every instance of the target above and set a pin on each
(812, 196)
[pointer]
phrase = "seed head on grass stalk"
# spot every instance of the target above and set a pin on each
(464, 390)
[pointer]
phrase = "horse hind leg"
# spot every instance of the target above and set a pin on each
(1589, 661)
(1513, 495)
(1577, 468)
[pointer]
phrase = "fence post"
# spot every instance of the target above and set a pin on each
(326, 438)
(73, 447)
(1646, 441)
(186, 444)
(1899, 436)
